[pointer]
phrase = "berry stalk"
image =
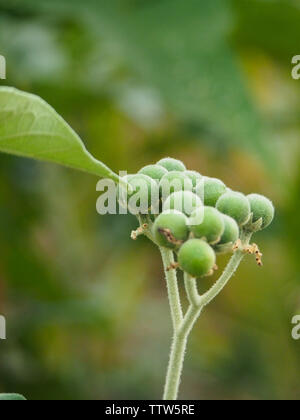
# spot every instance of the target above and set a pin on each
(183, 328)
(172, 286)
(195, 218)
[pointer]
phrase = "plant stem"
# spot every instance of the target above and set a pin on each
(191, 289)
(175, 367)
(180, 338)
(177, 354)
(228, 272)
(172, 286)
(183, 326)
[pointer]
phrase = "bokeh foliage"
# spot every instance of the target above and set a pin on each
(207, 82)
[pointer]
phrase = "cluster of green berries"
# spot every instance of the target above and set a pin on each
(199, 217)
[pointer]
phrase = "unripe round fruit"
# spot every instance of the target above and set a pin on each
(194, 176)
(135, 181)
(235, 205)
(170, 225)
(213, 189)
(171, 164)
(196, 258)
(231, 231)
(155, 172)
(145, 186)
(174, 181)
(262, 208)
(184, 201)
(208, 224)
(121, 189)
(128, 177)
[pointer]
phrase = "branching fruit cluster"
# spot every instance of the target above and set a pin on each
(198, 218)
(190, 217)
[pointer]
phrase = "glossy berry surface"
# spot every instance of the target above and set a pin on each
(196, 257)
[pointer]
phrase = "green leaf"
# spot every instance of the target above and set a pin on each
(182, 54)
(29, 127)
(12, 397)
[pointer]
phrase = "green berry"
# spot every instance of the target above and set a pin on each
(194, 176)
(121, 191)
(184, 201)
(196, 258)
(231, 231)
(235, 205)
(261, 208)
(170, 229)
(144, 189)
(155, 172)
(128, 177)
(171, 164)
(207, 223)
(213, 189)
(174, 181)
(138, 180)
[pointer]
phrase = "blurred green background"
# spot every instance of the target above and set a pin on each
(206, 82)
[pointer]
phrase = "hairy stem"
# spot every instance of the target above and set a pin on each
(175, 367)
(183, 326)
(191, 289)
(172, 286)
(177, 354)
(228, 272)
